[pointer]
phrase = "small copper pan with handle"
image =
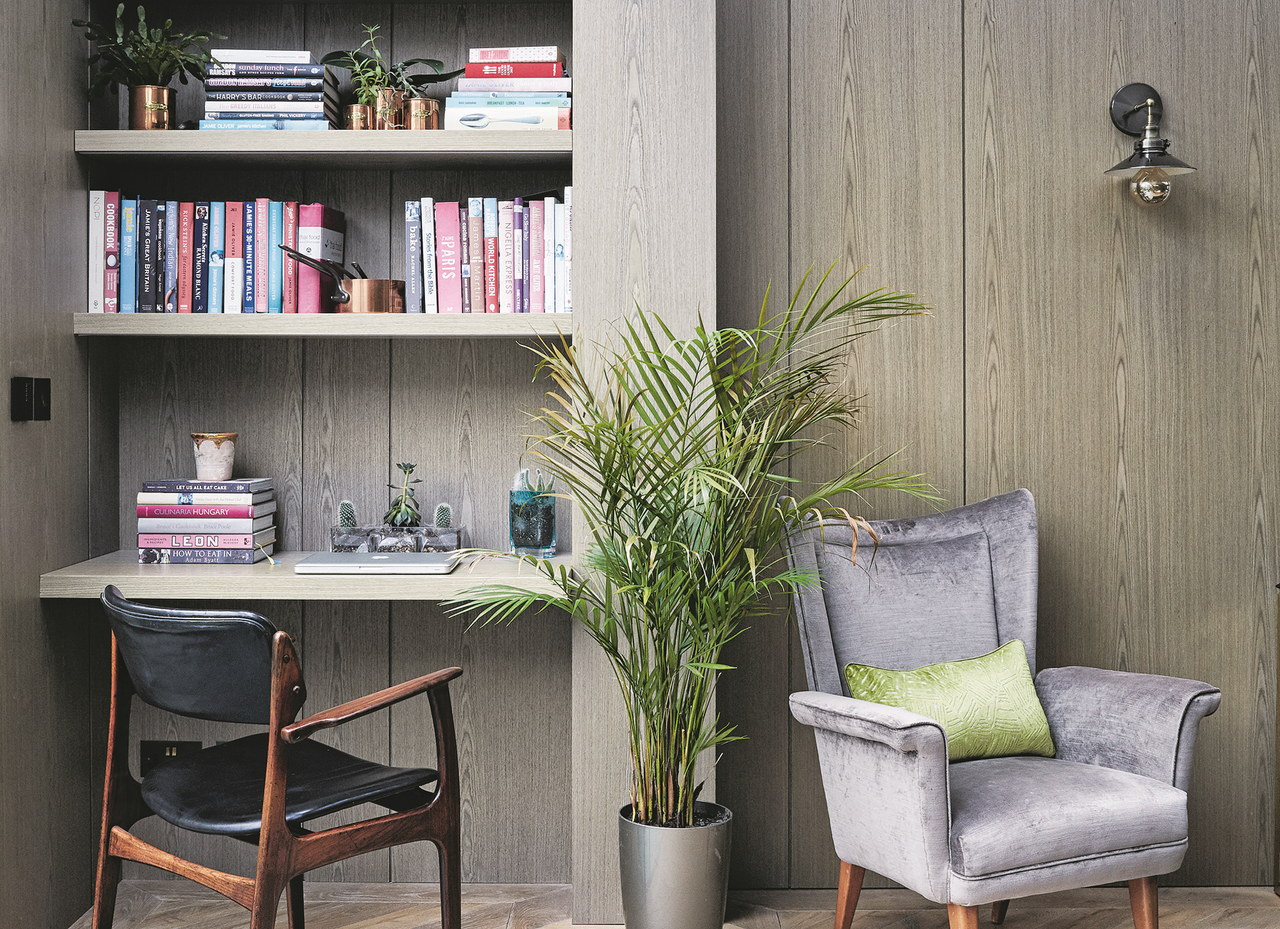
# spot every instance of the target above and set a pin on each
(356, 294)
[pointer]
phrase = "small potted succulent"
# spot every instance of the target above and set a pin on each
(145, 59)
(381, 86)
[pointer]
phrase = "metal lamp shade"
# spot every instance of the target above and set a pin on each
(1140, 160)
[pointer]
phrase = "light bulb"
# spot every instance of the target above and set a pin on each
(1151, 186)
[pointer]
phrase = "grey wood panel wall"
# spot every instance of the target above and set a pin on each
(1118, 362)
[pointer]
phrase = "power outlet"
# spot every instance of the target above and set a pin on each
(152, 752)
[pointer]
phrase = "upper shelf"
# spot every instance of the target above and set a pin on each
(333, 149)
(334, 325)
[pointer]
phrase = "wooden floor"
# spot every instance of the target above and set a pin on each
(166, 904)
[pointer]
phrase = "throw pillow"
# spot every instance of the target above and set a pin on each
(987, 705)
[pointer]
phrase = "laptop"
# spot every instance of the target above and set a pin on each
(377, 563)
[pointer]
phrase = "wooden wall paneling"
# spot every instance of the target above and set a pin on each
(644, 228)
(880, 86)
(1152, 321)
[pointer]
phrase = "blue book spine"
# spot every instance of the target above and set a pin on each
(217, 253)
(490, 217)
(128, 255)
(413, 256)
(171, 256)
(275, 257)
(250, 208)
(268, 124)
(200, 258)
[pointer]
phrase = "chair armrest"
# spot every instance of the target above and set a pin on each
(884, 770)
(363, 706)
(1141, 723)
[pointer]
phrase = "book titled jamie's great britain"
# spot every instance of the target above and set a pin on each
(248, 485)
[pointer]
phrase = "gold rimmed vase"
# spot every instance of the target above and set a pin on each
(150, 107)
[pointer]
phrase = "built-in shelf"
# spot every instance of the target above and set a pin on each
(334, 325)
(379, 150)
(266, 581)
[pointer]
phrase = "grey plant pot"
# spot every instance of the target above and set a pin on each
(674, 878)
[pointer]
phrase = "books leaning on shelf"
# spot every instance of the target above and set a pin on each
(153, 256)
(269, 89)
(518, 87)
(217, 522)
(486, 255)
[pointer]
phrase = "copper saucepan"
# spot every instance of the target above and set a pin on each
(356, 294)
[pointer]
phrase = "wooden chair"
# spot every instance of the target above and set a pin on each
(236, 667)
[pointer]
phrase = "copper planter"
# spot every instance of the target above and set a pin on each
(359, 116)
(150, 107)
(388, 109)
(421, 113)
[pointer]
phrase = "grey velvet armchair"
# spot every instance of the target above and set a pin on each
(1112, 804)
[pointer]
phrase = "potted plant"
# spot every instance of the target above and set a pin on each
(401, 529)
(380, 85)
(145, 59)
(675, 452)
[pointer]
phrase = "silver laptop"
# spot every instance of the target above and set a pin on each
(377, 563)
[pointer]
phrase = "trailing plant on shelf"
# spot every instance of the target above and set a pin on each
(403, 511)
(139, 54)
(675, 452)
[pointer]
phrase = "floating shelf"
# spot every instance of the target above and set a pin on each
(332, 325)
(377, 150)
(266, 581)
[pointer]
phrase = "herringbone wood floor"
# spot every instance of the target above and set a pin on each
(167, 904)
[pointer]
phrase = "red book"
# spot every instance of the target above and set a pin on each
(448, 258)
(186, 248)
(111, 252)
(515, 69)
(289, 301)
(233, 260)
(207, 510)
(321, 231)
(261, 242)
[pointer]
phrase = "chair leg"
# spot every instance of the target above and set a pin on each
(847, 895)
(450, 883)
(998, 911)
(297, 920)
(1143, 901)
(962, 917)
(104, 896)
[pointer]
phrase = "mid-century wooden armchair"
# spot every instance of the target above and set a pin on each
(236, 667)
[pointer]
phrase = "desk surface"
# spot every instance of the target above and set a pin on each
(265, 581)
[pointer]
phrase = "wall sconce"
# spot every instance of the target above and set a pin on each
(1150, 166)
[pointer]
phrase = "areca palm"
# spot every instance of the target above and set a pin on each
(676, 452)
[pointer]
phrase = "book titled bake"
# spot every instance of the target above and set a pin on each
(413, 256)
(448, 257)
(204, 555)
(321, 234)
(248, 485)
(201, 540)
(207, 510)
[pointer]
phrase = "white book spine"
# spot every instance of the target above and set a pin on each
(568, 249)
(506, 256)
(560, 270)
(262, 55)
(430, 294)
(97, 246)
(549, 255)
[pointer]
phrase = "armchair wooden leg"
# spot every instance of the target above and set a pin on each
(450, 883)
(104, 897)
(1142, 899)
(962, 917)
(998, 911)
(847, 894)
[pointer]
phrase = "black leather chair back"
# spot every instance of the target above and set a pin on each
(209, 664)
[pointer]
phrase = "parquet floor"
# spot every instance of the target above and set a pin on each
(167, 904)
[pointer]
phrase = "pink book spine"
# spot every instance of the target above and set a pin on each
(198, 511)
(261, 218)
(289, 300)
(475, 234)
(111, 252)
(448, 258)
(186, 244)
(536, 247)
(180, 540)
(233, 273)
(320, 235)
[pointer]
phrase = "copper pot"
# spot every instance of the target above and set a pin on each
(371, 295)
(388, 109)
(150, 107)
(359, 116)
(421, 113)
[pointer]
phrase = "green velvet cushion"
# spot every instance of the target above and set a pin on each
(987, 705)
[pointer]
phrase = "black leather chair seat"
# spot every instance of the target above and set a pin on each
(322, 780)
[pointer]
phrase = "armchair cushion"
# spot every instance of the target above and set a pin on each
(1025, 813)
(987, 705)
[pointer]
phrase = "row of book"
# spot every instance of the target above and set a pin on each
(158, 256)
(254, 88)
(206, 522)
(521, 87)
(487, 255)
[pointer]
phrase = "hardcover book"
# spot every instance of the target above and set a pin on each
(148, 244)
(97, 238)
(549, 255)
(524, 253)
(448, 260)
(514, 69)
(186, 244)
(168, 224)
(264, 69)
(517, 53)
(506, 256)
(202, 540)
(214, 109)
(111, 252)
(217, 253)
(203, 498)
(275, 257)
(475, 237)
(249, 291)
(203, 555)
(478, 117)
(261, 254)
(207, 510)
(464, 254)
(560, 265)
(253, 82)
(536, 222)
(182, 524)
(259, 96)
(517, 256)
(413, 256)
(248, 485)
(200, 258)
(568, 250)
(321, 233)
(129, 255)
(253, 55)
(268, 124)
(522, 84)
(430, 286)
(289, 266)
(233, 289)
(490, 254)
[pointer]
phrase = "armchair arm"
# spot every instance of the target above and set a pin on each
(363, 706)
(884, 770)
(1141, 723)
